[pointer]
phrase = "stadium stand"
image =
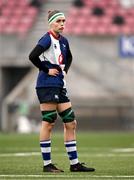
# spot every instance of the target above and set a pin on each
(100, 17)
(17, 17)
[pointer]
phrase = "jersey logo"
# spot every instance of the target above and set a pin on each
(60, 59)
(64, 46)
(55, 46)
(56, 96)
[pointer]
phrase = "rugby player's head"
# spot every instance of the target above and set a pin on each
(56, 20)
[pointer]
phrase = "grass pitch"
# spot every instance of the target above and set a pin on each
(112, 154)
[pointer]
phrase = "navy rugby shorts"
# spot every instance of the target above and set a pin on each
(52, 94)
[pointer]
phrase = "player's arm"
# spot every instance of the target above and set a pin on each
(42, 45)
(34, 58)
(69, 60)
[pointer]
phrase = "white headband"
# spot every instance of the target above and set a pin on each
(55, 17)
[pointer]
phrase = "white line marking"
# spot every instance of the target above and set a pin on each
(25, 154)
(123, 150)
(20, 154)
(67, 176)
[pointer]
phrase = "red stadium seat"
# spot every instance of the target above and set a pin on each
(105, 20)
(10, 29)
(11, 3)
(23, 3)
(85, 11)
(31, 11)
(6, 11)
(23, 29)
(3, 20)
(114, 29)
(14, 20)
(77, 30)
(125, 29)
(129, 20)
(74, 11)
(89, 3)
(18, 12)
(1, 4)
(101, 29)
(89, 30)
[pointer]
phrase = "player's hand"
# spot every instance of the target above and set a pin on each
(53, 72)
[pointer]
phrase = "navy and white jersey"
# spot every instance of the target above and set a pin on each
(55, 55)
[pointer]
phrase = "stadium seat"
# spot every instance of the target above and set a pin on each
(18, 13)
(114, 29)
(78, 30)
(6, 11)
(85, 11)
(23, 3)
(89, 3)
(32, 11)
(22, 29)
(89, 30)
(78, 3)
(129, 20)
(1, 3)
(3, 20)
(10, 29)
(14, 20)
(11, 3)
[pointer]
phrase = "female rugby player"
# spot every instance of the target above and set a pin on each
(53, 57)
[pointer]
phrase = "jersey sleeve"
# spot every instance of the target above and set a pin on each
(69, 58)
(34, 58)
(45, 41)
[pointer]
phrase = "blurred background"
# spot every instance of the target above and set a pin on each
(100, 81)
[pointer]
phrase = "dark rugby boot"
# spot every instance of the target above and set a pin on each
(80, 167)
(51, 168)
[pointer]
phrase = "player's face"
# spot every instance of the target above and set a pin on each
(58, 25)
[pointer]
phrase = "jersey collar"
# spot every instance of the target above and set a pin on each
(50, 32)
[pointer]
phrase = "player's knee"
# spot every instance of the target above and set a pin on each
(75, 124)
(47, 126)
(49, 116)
(70, 126)
(50, 126)
(67, 115)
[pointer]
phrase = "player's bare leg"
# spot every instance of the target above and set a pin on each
(70, 127)
(67, 115)
(49, 116)
(46, 127)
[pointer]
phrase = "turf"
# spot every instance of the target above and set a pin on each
(112, 154)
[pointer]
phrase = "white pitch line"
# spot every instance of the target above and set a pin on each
(66, 176)
(123, 150)
(20, 154)
(25, 154)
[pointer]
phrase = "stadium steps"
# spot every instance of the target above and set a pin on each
(108, 71)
